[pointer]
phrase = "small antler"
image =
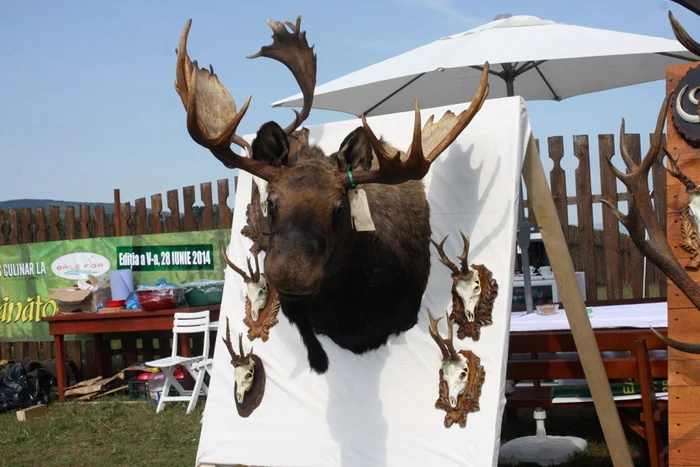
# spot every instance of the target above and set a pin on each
(254, 275)
(212, 118)
(236, 359)
(465, 252)
(440, 247)
(449, 354)
(229, 344)
(462, 272)
(676, 172)
(434, 138)
(236, 268)
(240, 347)
(293, 51)
(641, 214)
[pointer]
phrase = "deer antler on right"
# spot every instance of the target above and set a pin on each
(678, 30)
(641, 214)
(212, 118)
(449, 354)
(434, 138)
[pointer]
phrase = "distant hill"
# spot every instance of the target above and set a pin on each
(46, 203)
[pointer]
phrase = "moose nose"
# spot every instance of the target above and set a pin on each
(293, 276)
(294, 271)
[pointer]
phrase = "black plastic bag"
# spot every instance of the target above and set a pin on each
(19, 389)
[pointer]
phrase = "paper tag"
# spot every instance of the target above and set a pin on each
(359, 210)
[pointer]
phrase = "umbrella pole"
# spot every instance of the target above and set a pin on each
(523, 239)
(523, 236)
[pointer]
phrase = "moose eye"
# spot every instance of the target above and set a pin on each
(338, 211)
(463, 375)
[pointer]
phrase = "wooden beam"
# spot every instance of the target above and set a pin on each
(31, 412)
(562, 265)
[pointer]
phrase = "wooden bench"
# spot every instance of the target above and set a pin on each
(532, 358)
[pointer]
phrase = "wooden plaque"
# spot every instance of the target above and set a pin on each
(683, 317)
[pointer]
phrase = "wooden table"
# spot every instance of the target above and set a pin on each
(98, 324)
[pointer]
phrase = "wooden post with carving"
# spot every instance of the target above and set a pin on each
(683, 317)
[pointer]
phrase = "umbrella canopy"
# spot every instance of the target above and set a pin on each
(535, 58)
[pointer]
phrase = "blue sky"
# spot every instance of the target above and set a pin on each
(90, 84)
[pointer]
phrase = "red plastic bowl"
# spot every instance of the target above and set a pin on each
(115, 303)
(159, 299)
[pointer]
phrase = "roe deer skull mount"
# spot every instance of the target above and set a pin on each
(461, 377)
(262, 302)
(473, 291)
(249, 375)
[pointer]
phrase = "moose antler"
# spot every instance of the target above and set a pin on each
(236, 359)
(436, 137)
(463, 272)
(212, 118)
(641, 214)
(293, 51)
(449, 354)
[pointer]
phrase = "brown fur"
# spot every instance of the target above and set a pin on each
(358, 288)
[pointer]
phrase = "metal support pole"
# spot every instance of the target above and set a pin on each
(523, 235)
(523, 239)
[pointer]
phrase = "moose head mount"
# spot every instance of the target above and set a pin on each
(249, 376)
(474, 291)
(314, 256)
(461, 377)
(261, 302)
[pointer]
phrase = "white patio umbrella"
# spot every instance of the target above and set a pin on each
(535, 58)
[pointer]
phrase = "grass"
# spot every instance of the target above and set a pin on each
(119, 433)
(111, 433)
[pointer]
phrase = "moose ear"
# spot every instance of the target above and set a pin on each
(355, 152)
(271, 145)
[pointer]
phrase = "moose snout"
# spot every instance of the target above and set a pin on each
(293, 274)
(294, 266)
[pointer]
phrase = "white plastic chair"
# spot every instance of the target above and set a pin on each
(185, 323)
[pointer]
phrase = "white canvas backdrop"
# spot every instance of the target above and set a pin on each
(378, 408)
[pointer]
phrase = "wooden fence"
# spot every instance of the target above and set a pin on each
(613, 266)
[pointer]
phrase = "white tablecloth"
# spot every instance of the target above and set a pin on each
(640, 315)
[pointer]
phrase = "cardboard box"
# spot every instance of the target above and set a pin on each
(74, 299)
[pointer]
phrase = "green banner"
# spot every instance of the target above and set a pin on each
(28, 272)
